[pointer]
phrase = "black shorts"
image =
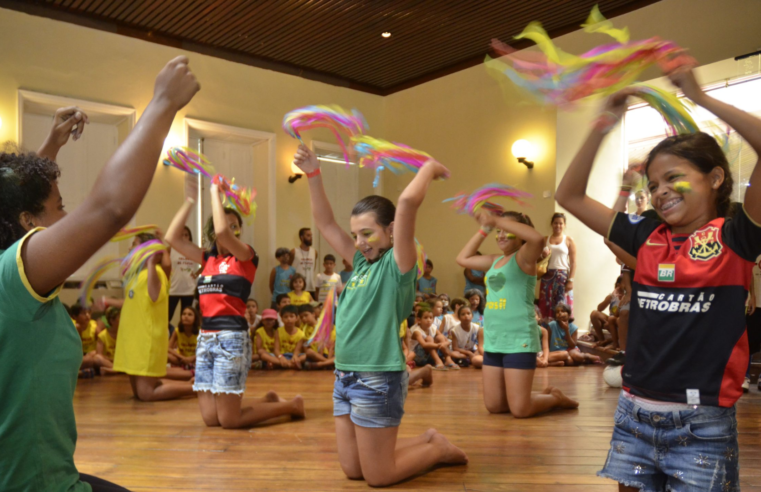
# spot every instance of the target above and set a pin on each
(519, 360)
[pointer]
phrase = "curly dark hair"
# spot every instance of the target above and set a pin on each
(26, 181)
(702, 150)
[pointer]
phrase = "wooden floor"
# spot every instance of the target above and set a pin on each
(165, 446)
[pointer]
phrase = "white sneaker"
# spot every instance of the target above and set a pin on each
(746, 385)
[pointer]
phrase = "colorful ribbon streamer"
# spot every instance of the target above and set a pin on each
(325, 322)
(670, 107)
(421, 259)
(190, 161)
(558, 78)
(479, 199)
(237, 197)
(382, 154)
(129, 232)
(134, 262)
(88, 284)
(343, 124)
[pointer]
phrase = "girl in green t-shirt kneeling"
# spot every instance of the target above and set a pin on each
(511, 335)
(371, 376)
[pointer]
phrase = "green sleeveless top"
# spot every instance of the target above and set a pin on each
(509, 322)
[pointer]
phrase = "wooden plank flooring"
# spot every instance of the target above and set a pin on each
(165, 446)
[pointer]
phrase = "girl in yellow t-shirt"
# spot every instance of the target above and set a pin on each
(182, 343)
(291, 339)
(267, 340)
(106, 347)
(143, 341)
(297, 294)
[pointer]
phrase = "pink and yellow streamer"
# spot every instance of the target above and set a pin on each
(382, 154)
(479, 199)
(343, 124)
(88, 284)
(134, 262)
(129, 232)
(190, 161)
(325, 322)
(238, 197)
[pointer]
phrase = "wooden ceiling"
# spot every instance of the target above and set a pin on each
(334, 41)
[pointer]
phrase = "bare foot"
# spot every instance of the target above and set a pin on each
(548, 390)
(565, 402)
(451, 454)
(298, 411)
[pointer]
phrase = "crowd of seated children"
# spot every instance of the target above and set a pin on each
(106, 346)
(423, 342)
(601, 320)
(328, 279)
(182, 343)
(477, 305)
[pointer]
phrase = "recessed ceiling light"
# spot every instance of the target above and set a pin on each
(386, 34)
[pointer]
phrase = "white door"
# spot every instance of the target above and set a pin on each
(342, 187)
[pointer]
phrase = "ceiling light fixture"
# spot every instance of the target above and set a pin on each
(386, 34)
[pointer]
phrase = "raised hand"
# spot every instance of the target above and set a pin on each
(306, 160)
(684, 78)
(176, 84)
(439, 170)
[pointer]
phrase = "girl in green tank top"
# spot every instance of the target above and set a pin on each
(511, 334)
(371, 372)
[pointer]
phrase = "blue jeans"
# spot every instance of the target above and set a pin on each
(222, 362)
(687, 450)
(371, 399)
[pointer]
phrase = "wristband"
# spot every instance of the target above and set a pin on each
(605, 122)
(314, 173)
(625, 193)
(484, 232)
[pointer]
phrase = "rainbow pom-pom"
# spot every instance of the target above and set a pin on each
(343, 124)
(479, 199)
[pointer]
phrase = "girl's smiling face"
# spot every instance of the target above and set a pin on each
(681, 193)
(370, 238)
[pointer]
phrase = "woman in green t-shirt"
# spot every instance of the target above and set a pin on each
(511, 335)
(371, 377)
(40, 247)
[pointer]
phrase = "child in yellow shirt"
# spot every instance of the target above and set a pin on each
(106, 346)
(182, 343)
(87, 329)
(291, 337)
(316, 358)
(298, 295)
(267, 340)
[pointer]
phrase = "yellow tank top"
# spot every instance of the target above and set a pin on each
(268, 342)
(109, 343)
(304, 298)
(288, 342)
(89, 341)
(186, 344)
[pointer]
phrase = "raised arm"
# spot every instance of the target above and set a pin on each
(621, 205)
(52, 255)
(469, 257)
(154, 281)
(410, 200)
(322, 212)
(225, 236)
(747, 125)
(64, 121)
(572, 192)
(528, 255)
(174, 235)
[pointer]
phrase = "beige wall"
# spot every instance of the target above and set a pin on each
(63, 59)
(462, 119)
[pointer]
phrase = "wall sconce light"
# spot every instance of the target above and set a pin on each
(522, 150)
(297, 173)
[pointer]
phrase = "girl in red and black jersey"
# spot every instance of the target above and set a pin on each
(223, 353)
(687, 349)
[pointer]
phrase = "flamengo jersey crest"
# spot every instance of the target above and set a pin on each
(705, 244)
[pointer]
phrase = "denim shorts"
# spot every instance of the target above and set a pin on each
(686, 450)
(371, 399)
(222, 362)
(422, 358)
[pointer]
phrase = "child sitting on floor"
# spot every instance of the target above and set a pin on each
(291, 337)
(315, 358)
(87, 329)
(328, 279)
(106, 346)
(562, 337)
(422, 340)
(442, 324)
(252, 314)
(467, 339)
(182, 343)
(298, 295)
(267, 341)
(601, 320)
